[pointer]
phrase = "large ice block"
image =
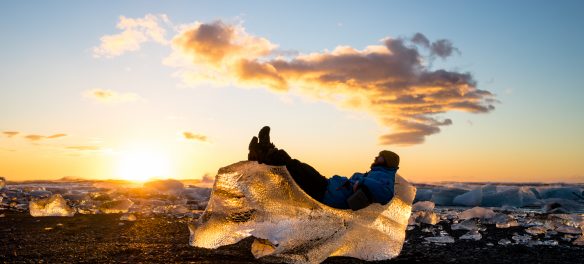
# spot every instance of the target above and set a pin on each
(52, 206)
(251, 199)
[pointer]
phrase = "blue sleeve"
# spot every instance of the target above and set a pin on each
(381, 192)
(356, 177)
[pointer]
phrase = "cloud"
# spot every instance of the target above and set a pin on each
(57, 136)
(34, 137)
(193, 136)
(392, 80)
(10, 133)
(110, 96)
(135, 32)
(442, 48)
(83, 148)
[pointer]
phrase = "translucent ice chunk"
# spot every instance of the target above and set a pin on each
(579, 241)
(251, 199)
(128, 217)
(516, 197)
(423, 195)
(471, 198)
(561, 206)
(445, 196)
(472, 235)
(477, 212)
(426, 217)
(504, 242)
(469, 224)
(52, 206)
(165, 186)
(2, 182)
(423, 206)
(440, 239)
(116, 206)
(536, 230)
(523, 239)
(568, 193)
(197, 193)
(569, 230)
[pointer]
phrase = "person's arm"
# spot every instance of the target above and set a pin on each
(382, 192)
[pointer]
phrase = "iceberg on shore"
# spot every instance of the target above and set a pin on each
(251, 199)
(51, 206)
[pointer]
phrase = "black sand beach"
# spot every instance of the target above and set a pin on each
(103, 239)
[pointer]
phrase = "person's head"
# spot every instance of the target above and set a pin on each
(387, 158)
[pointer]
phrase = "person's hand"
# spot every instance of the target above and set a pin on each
(355, 186)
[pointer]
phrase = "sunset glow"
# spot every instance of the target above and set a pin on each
(143, 165)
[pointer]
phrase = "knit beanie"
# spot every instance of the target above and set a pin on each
(391, 159)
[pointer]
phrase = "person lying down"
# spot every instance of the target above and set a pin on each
(356, 192)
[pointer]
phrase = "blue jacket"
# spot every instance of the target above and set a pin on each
(379, 181)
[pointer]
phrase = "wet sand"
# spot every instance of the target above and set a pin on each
(101, 239)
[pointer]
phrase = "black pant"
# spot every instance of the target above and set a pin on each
(308, 178)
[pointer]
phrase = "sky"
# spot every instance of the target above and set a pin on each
(462, 91)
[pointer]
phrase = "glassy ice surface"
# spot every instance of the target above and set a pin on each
(251, 199)
(52, 206)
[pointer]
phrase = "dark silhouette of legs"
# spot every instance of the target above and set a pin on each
(308, 178)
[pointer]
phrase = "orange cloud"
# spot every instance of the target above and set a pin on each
(110, 96)
(390, 81)
(193, 136)
(34, 137)
(393, 80)
(57, 136)
(10, 133)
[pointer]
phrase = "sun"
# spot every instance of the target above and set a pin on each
(143, 165)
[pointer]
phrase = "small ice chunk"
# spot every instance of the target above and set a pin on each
(469, 224)
(471, 198)
(426, 217)
(472, 235)
(128, 217)
(507, 224)
(2, 183)
(116, 206)
(521, 239)
(504, 242)
(40, 193)
(550, 243)
(440, 239)
(423, 206)
(477, 212)
(569, 230)
(579, 241)
(52, 206)
(197, 193)
(536, 230)
(165, 186)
